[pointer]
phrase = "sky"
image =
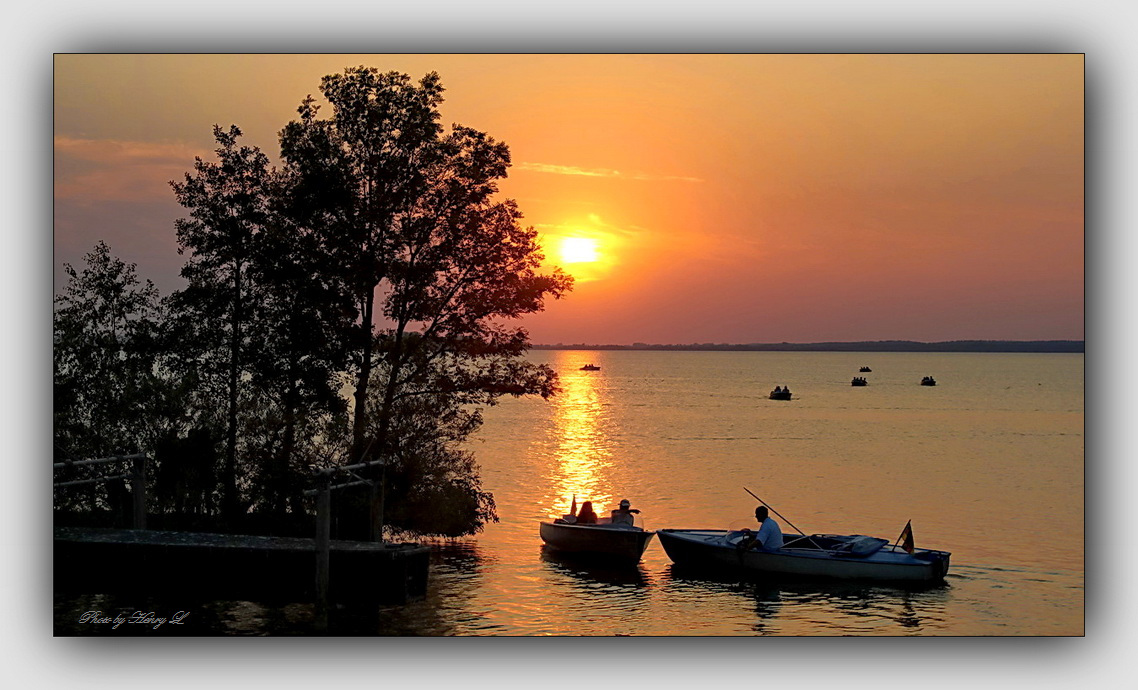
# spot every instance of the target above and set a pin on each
(695, 198)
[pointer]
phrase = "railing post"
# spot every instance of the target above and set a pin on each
(138, 489)
(378, 491)
(323, 546)
(382, 501)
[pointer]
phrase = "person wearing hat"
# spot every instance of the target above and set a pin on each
(623, 514)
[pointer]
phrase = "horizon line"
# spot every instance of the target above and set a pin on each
(1055, 345)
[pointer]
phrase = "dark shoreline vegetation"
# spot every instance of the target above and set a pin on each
(1040, 346)
(376, 260)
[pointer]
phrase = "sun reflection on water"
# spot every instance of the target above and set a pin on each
(583, 452)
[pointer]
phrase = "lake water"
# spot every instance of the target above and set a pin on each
(988, 464)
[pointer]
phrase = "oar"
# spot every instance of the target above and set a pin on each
(784, 518)
(774, 511)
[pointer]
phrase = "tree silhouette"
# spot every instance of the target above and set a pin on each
(303, 314)
(228, 204)
(378, 252)
(108, 396)
(363, 169)
(408, 212)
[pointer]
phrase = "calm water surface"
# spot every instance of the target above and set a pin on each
(988, 464)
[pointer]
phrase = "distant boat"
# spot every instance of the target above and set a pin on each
(618, 542)
(859, 381)
(865, 369)
(928, 381)
(780, 394)
(590, 367)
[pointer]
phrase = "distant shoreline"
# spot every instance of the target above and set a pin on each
(1054, 346)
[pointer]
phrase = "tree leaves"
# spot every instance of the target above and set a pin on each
(378, 250)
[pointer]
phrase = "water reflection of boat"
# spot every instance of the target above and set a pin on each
(617, 542)
(848, 607)
(590, 367)
(852, 557)
(588, 569)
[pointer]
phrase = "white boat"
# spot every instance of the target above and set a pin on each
(846, 557)
(619, 542)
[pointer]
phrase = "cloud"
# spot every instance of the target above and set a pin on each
(93, 170)
(599, 172)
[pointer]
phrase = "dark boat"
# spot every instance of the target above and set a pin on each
(828, 556)
(590, 367)
(859, 381)
(928, 381)
(864, 369)
(780, 394)
(619, 542)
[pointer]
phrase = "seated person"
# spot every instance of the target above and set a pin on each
(586, 516)
(623, 514)
(769, 536)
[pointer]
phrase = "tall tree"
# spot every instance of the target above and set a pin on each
(298, 362)
(366, 169)
(408, 212)
(228, 203)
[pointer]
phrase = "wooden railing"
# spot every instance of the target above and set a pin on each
(323, 494)
(136, 475)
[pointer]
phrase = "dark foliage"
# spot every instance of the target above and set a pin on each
(376, 257)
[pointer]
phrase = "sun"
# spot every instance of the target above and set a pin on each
(578, 250)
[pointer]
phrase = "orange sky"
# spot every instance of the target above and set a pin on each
(729, 198)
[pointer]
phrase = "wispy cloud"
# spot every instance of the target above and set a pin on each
(113, 170)
(599, 172)
(593, 226)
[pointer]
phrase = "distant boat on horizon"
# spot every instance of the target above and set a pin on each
(590, 367)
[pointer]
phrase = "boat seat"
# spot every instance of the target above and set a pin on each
(619, 518)
(861, 546)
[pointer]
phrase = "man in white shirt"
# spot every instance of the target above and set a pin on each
(623, 515)
(769, 537)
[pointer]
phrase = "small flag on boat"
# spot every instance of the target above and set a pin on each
(906, 537)
(573, 508)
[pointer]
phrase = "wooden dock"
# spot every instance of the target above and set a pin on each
(240, 567)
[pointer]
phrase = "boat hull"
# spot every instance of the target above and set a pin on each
(613, 542)
(707, 550)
